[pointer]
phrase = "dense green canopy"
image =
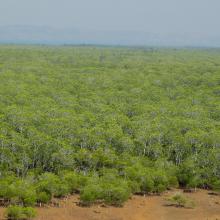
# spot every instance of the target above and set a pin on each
(106, 122)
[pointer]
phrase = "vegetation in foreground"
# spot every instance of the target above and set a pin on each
(107, 122)
(179, 200)
(20, 213)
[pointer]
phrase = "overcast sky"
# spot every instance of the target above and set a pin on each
(157, 16)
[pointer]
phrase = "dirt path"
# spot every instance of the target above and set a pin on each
(138, 208)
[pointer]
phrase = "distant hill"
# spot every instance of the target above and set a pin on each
(49, 35)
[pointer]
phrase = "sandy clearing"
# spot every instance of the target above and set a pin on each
(137, 208)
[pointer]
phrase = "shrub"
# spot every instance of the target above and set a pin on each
(6, 190)
(194, 182)
(115, 195)
(160, 181)
(147, 184)
(29, 212)
(180, 200)
(82, 181)
(215, 185)
(43, 197)
(134, 173)
(159, 188)
(173, 181)
(115, 191)
(25, 193)
(62, 189)
(134, 186)
(90, 194)
(71, 179)
(20, 191)
(28, 197)
(48, 183)
(14, 212)
(108, 189)
(20, 213)
(141, 177)
(52, 185)
(188, 175)
(148, 179)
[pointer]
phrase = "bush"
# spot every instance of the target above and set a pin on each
(215, 185)
(43, 197)
(134, 186)
(115, 195)
(29, 212)
(194, 182)
(62, 189)
(160, 188)
(52, 185)
(82, 181)
(20, 213)
(142, 179)
(108, 189)
(20, 191)
(147, 184)
(48, 183)
(6, 190)
(160, 181)
(14, 212)
(180, 200)
(173, 181)
(90, 194)
(134, 173)
(28, 197)
(188, 175)
(148, 179)
(71, 179)
(115, 191)
(25, 193)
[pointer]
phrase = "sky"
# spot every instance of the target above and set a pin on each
(156, 16)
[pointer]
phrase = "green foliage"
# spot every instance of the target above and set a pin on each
(114, 191)
(180, 200)
(6, 190)
(115, 195)
(147, 183)
(160, 181)
(71, 179)
(20, 213)
(29, 212)
(148, 180)
(18, 191)
(188, 174)
(82, 181)
(173, 181)
(52, 185)
(90, 194)
(71, 116)
(43, 197)
(109, 189)
(25, 193)
(215, 185)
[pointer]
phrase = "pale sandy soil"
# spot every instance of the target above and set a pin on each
(137, 208)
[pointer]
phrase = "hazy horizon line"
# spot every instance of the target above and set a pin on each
(37, 34)
(106, 45)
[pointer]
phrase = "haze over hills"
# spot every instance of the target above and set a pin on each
(49, 35)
